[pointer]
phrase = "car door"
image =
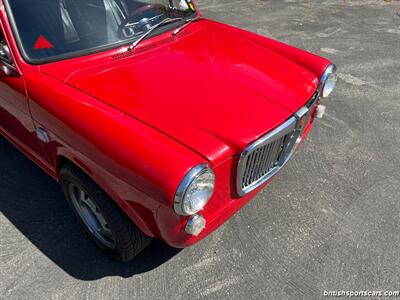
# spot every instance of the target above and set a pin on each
(15, 119)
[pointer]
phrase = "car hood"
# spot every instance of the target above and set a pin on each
(209, 88)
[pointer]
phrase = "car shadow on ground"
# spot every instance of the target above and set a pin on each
(33, 203)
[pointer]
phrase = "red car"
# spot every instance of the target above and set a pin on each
(155, 121)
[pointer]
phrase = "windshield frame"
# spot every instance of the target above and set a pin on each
(89, 51)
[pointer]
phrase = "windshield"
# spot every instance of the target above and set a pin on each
(48, 30)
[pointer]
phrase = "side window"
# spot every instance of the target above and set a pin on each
(5, 54)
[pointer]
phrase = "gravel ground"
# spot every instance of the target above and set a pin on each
(329, 221)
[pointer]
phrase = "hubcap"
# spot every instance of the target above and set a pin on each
(91, 216)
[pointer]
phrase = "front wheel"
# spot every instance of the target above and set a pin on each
(101, 217)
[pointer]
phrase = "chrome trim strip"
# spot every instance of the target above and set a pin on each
(42, 135)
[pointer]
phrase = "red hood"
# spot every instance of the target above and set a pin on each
(210, 88)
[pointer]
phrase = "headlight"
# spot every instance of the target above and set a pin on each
(328, 81)
(194, 191)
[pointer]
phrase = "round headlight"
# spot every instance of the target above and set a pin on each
(194, 191)
(328, 81)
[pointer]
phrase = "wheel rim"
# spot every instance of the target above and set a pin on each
(91, 216)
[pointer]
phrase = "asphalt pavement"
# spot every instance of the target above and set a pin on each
(329, 221)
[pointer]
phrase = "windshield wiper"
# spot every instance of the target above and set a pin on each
(163, 22)
(187, 23)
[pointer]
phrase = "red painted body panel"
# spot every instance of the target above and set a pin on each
(138, 123)
(197, 81)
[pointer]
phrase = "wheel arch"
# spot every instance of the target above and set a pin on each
(65, 158)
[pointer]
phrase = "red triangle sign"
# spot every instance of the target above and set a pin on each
(42, 43)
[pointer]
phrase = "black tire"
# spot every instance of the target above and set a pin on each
(127, 239)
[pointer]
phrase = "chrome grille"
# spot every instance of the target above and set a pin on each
(265, 157)
(262, 161)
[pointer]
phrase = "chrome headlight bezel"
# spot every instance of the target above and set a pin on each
(329, 76)
(193, 176)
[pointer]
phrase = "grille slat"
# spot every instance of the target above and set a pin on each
(278, 144)
(264, 166)
(263, 158)
(264, 162)
(251, 167)
(256, 162)
(271, 157)
(254, 167)
(246, 173)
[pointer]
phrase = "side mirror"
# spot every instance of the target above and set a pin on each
(6, 63)
(7, 70)
(5, 54)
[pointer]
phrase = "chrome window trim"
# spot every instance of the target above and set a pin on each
(294, 125)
